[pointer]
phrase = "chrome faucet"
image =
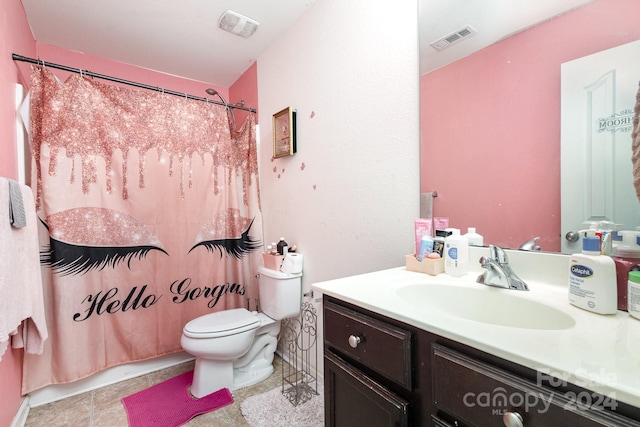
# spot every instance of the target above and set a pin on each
(499, 272)
(530, 245)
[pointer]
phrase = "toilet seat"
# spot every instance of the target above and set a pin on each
(222, 323)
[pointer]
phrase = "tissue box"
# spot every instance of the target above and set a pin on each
(272, 261)
(428, 265)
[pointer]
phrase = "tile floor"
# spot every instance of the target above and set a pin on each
(102, 407)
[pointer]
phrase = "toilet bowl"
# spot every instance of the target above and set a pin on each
(235, 348)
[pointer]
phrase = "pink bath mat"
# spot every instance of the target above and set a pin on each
(169, 404)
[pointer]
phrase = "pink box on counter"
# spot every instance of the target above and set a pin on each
(427, 265)
(272, 261)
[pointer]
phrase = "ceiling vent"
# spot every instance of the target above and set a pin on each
(454, 38)
(237, 24)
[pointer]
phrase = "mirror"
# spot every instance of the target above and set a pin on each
(490, 122)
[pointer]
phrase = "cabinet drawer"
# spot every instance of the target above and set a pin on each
(382, 347)
(475, 393)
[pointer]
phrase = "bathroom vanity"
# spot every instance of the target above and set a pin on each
(399, 350)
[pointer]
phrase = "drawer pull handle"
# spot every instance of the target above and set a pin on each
(512, 419)
(354, 341)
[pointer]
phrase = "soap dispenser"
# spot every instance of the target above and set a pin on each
(592, 279)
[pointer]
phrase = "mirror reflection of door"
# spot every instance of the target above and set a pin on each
(598, 97)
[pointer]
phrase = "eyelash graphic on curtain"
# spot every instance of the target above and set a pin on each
(237, 248)
(112, 235)
(67, 259)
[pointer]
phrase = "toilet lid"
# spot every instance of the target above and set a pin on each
(225, 322)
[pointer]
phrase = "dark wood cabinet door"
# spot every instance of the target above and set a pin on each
(354, 399)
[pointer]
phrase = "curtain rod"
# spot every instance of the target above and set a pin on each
(127, 82)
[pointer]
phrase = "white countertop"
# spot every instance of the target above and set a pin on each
(599, 353)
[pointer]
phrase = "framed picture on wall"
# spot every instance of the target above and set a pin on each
(284, 133)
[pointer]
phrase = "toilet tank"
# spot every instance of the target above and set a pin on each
(280, 293)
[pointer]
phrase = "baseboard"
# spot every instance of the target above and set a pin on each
(20, 418)
(104, 378)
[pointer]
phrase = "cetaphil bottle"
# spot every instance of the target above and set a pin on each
(592, 279)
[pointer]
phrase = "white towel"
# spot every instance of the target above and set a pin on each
(22, 315)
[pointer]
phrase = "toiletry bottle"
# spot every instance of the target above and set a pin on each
(627, 259)
(456, 254)
(274, 248)
(422, 227)
(426, 247)
(634, 294)
(616, 238)
(592, 279)
(628, 237)
(475, 239)
(438, 245)
(438, 242)
(282, 247)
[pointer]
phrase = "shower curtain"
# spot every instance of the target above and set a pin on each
(149, 217)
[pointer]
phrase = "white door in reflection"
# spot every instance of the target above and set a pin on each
(598, 97)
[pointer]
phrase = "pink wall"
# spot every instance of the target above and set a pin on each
(15, 37)
(246, 87)
(490, 125)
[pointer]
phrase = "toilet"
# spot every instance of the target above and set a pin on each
(235, 348)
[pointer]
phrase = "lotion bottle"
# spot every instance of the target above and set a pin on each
(456, 254)
(592, 279)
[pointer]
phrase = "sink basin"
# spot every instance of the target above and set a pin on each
(486, 305)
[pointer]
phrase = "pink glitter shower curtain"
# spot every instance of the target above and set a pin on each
(150, 216)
